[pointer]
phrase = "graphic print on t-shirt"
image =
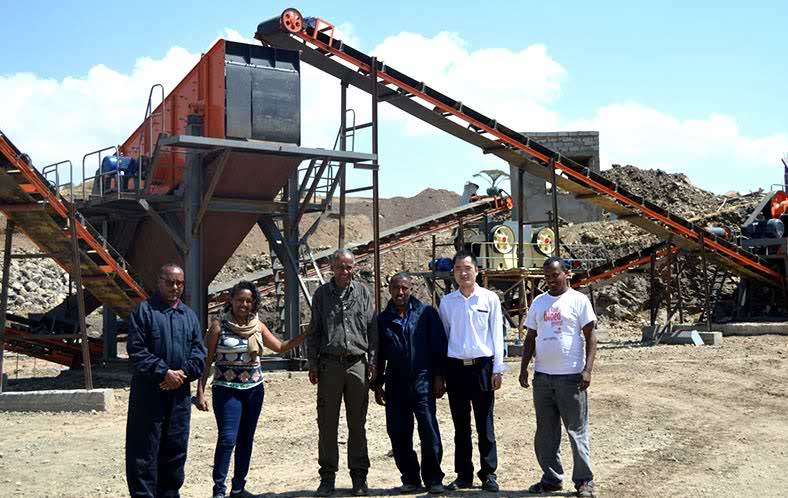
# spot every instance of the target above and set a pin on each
(553, 315)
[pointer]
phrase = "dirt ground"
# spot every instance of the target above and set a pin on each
(665, 421)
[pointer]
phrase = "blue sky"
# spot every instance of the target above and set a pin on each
(696, 87)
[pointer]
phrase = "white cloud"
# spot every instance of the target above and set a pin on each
(63, 119)
(713, 151)
(514, 87)
(54, 120)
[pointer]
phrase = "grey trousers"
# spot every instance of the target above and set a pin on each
(558, 398)
(338, 380)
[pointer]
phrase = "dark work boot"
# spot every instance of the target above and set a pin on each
(326, 487)
(360, 487)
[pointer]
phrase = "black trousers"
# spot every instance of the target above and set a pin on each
(470, 387)
(157, 437)
(403, 403)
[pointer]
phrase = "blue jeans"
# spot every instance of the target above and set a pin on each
(236, 412)
(557, 399)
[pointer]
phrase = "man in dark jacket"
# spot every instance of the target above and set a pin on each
(166, 353)
(412, 353)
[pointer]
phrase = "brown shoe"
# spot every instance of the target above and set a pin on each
(586, 490)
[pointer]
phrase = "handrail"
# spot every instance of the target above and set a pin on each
(150, 114)
(100, 175)
(54, 167)
(512, 254)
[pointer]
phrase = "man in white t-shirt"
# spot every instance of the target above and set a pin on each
(560, 326)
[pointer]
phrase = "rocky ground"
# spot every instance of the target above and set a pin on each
(664, 421)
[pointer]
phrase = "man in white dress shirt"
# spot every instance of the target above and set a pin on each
(472, 319)
(560, 326)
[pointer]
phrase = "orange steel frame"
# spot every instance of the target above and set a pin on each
(625, 267)
(514, 143)
(57, 205)
(200, 92)
(57, 355)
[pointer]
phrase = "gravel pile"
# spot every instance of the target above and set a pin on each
(36, 285)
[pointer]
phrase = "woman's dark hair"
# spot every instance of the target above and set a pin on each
(244, 285)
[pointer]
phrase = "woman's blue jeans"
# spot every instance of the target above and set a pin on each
(236, 411)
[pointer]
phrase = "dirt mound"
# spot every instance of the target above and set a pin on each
(627, 298)
(672, 191)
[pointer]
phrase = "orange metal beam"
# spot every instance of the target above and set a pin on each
(624, 267)
(16, 208)
(677, 227)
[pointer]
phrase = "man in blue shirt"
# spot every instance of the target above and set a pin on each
(166, 353)
(412, 353)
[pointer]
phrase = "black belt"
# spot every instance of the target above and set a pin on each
(346, 357)
(472, 361)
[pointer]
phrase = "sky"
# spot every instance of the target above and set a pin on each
(692, 87)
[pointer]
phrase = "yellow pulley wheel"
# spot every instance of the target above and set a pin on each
(545, 241)
(503, 239)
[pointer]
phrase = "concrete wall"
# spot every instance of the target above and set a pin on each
(581, 147)
(74, 400)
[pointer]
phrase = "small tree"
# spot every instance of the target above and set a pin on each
(494, 177)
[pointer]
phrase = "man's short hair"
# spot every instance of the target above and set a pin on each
(555, 259)
(462, 254)
(342, 252)
(169, 267)
(403, 275)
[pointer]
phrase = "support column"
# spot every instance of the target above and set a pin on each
(652, 291)
(556, 222)
(291, 233)
(375, 194)
(342, 170)
(195, 287)
(109, 318)
(520, 201)
(706, 293)
(10, 225)
(77, 274)
(110, 334)
(680, 297)
(434, 268)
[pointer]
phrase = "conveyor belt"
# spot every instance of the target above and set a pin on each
(622, 264)
(64, 352)
(389, 239)
(315, 38)
(38, 211)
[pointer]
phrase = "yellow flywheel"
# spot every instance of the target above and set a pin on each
(503, 239)
(544, 241)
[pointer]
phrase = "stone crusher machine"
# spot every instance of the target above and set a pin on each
(209, 162)
(762, 233)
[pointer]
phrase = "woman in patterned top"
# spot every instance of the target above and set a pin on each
(235, 342)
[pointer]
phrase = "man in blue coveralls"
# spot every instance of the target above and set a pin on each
(166, 353)
(412, 353)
